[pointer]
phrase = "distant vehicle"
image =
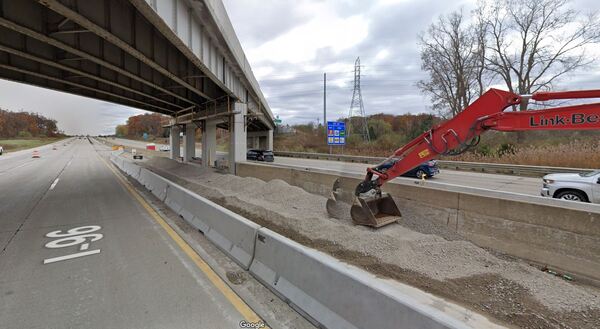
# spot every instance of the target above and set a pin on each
(54, 147)
(429, 169)
(35, 154)
(165, 148)
(1, 150)
(583, 187)
(260, 155)
(135, 155)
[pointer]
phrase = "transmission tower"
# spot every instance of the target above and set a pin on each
(357, 108)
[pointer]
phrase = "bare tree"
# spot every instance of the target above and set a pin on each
(452, 54)
(530, 44)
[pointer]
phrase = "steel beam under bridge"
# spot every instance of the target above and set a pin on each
(176, 57)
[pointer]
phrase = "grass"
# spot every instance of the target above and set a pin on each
(574, 154)
(12, 145)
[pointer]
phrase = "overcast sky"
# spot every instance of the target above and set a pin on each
(290, 43)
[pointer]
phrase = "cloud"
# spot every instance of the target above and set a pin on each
(384, 33)
(290, 66)
(302, 43)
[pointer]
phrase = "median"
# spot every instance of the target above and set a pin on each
(421, 251)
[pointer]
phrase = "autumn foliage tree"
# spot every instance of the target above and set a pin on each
(388, 132)
(26, 124)
(137, 125)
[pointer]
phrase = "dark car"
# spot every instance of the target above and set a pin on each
(429, 169)
(260, 155)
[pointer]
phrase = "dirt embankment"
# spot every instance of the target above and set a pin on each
(415, 251)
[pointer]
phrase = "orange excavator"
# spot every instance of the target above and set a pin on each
(372, 207)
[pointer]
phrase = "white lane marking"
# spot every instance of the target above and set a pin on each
(73, 240)
(71, 256)
(74, 231)
(77, 235)
(54, 184)
(69, 163)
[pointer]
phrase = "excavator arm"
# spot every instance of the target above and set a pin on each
(458, 134)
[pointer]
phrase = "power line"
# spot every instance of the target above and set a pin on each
(356, 105)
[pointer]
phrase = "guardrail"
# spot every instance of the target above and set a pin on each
(330, 293)
(491, 168)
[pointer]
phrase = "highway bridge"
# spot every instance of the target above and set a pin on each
(180, 58)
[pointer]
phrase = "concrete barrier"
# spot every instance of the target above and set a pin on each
(174, 199)
(117, 160)
(132, 169)
(560, 234)
(155, 183)
(231, 232)
(335, 294)
(143, 176)
(322, 288)
(120, 162)
(492, 168)
(136, 171)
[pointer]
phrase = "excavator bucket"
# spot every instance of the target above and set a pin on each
(375, 211)
(336, 208)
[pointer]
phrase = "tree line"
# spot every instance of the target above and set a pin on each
(137, 125)
(387, 133)
(26, 124)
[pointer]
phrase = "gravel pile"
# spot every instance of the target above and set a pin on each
(441, 262)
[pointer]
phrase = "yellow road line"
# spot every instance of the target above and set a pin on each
(231, 296)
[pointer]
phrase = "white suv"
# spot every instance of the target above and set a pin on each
(1, 150)
(583, 187)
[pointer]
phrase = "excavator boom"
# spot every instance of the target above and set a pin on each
(372, 207)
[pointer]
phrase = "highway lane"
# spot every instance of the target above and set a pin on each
(20, 183)
(504, 183)
(124, 271)
(12, 160)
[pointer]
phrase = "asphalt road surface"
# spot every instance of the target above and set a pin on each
(78, 250)
(504, 183)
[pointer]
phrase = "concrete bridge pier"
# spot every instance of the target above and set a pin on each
(270, 139)
(261, 140)
(189, 142)
(209, 142)
(237, 136)
(174, 143)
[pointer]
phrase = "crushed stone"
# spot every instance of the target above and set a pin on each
(416, 244)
